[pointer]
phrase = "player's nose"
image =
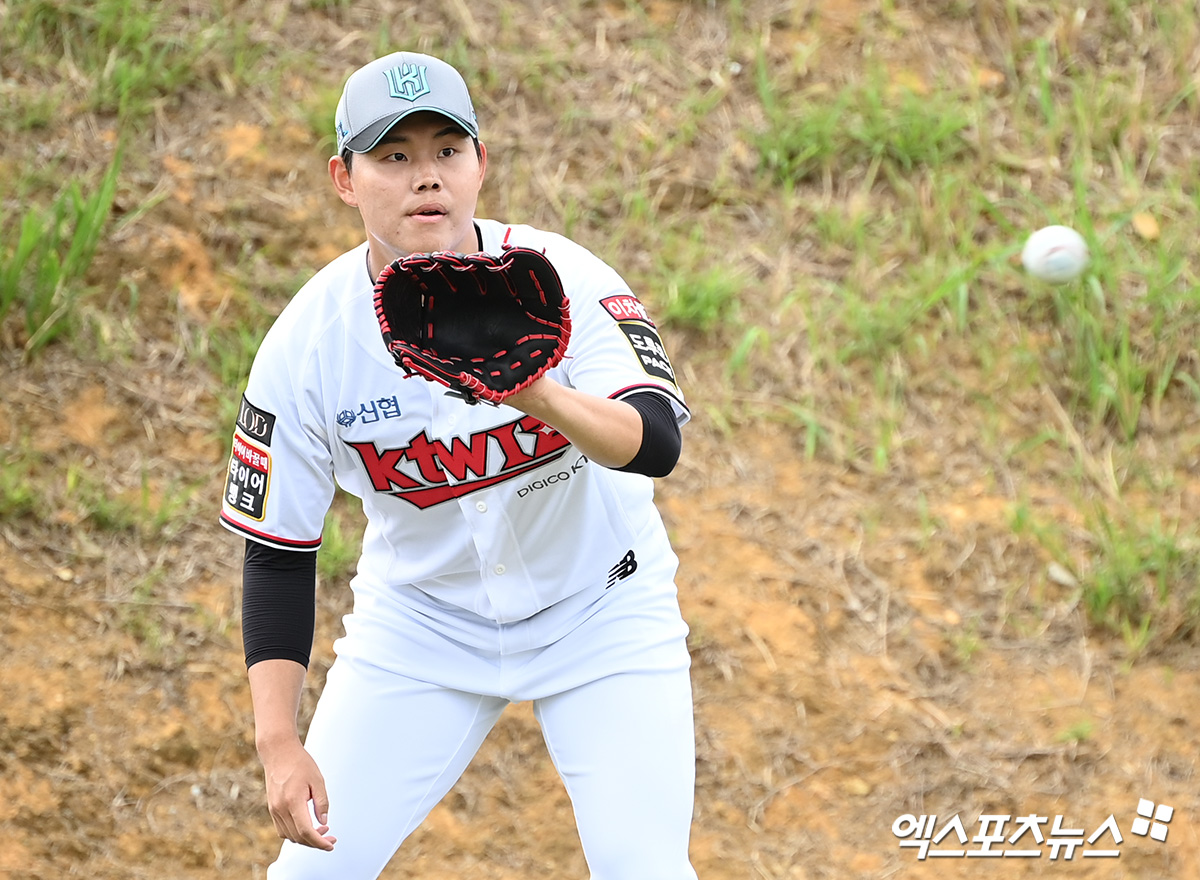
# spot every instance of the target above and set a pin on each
(427, 179)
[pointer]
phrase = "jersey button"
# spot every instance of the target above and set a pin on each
(481, 506)
(500, 569)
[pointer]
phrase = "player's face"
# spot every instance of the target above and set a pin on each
(417, 190)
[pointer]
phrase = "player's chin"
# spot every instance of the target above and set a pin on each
(425, 237)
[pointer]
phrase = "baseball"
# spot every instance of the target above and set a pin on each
(1056, 254)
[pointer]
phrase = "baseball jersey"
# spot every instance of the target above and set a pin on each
(470, 508)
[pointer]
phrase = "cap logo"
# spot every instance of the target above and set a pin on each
(407, 81)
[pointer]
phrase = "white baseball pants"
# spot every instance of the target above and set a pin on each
(613, 698)
(390, 747)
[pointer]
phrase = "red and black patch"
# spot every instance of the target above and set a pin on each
(626, 307)
(635, 322)
(248, 479)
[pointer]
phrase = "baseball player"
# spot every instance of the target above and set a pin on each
(511, 552)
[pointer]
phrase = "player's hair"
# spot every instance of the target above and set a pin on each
(348, 156)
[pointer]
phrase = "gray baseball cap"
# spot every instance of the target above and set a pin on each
(380, 94)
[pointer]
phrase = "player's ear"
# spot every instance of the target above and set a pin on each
(342, 182)
(482, 162)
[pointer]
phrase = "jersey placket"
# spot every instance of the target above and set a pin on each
(506, 591)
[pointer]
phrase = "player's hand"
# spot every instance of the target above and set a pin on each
(293, 781)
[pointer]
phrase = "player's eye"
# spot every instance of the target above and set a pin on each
(398, 157)
(447, 152)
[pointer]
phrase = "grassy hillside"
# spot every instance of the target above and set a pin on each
(938, 521)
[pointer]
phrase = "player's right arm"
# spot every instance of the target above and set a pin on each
(292, 777)
(278, 622)
(279, 486)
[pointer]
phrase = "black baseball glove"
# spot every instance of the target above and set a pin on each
(484, 326)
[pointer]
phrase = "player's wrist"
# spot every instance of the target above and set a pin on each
(271, 741)
(538, 399)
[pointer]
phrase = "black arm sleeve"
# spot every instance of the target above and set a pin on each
(661, 439)
(279, 590)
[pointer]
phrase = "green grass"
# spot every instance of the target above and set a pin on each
(229, 349)
(1137, 575)
(144, 617)
(866, 124)
(703, 299)
(822, 237)
(1124, 332)
(42, 274)
(121, 57)
(823, 217)
(1079, 732)
(156, 509)
(124, 50)
(929, 221)
(18, 487)
(341, 541)
(1139, 568)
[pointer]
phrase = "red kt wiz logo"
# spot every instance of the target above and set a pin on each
(481, 460)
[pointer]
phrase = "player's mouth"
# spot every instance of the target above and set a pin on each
(429, 213)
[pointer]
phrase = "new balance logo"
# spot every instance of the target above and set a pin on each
(623, 569)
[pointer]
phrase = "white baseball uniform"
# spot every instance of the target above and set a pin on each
(498, 564)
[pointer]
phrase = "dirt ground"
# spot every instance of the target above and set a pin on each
(866, 644)
(842, 681)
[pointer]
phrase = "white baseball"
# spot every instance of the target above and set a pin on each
(1056, 254)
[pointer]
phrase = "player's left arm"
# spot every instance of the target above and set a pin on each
(639, 434)
(615, 396)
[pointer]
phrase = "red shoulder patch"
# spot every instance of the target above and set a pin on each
(626, 307)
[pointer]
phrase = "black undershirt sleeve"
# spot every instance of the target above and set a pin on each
(661, 439)
(279, 590)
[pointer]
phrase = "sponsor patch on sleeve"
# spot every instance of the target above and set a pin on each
(248, 479)
(649, 350)
(626, 307)
(257, 424)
